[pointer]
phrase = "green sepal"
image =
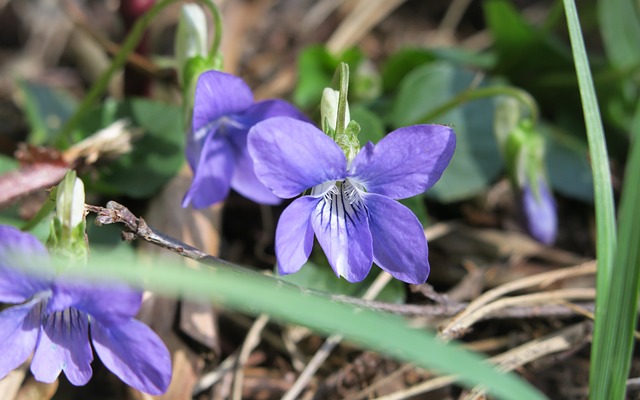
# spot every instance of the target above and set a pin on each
(352, 131)
(348, 140)
(524, 156)
(193, 68)
(327, 129)
(72, 246)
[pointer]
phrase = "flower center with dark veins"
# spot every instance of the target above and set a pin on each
(342, 201)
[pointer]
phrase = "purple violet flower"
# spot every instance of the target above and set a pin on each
(223, 112)
(540, 212)
(351, 207)
(53, 318)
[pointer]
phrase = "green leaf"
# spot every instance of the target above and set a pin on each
(406, 60)
(476, 161)
(568, 164)
(7, 164)
(463, 57)
(253, 293)
(46, 108)
(371, 127)
(157, 155)
(532, 58)
(322, 278)
(401, 63)
(316, 68)
(417, 206)
(620, 29)
(12, 217)
(521, 48)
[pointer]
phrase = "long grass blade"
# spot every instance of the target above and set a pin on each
(618, 324)
(256, 294)
(602, 376)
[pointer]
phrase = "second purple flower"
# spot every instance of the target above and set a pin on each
(224, 111)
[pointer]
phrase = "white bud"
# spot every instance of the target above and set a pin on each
(70, 203)
(191, 38)
(329, 108)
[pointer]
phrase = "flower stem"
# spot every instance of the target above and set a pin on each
(342, 100)
(63, 137)
(217, 20)
(474, 94)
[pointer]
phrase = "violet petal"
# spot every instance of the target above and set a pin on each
(107, 302)
(540, 213)
(22, 250)
(134, 353)
(63, 345)
(290, 156)
(294, 235)
(343, 232)
(266, 109)
(399, 244)
(244, 179)
(218, 94)
(211, 180)
(19, 327)
(406, 162)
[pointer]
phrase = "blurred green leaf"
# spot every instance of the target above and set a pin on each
(463, 57)
(620, 30)
(371, 127)
(568, 164)
(157, 155)
(618, 91)
(417, 206)
(7, 164)
(316, 68)
(476, 161)
(322, 278)
(11, 216)
(401, 63)
(522, 48)
(532, 59)
(46, 109)
(398, 65)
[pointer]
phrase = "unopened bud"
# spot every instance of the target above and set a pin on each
(70, 201)
(329, 108)
(191, 38)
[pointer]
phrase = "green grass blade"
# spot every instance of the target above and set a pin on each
(620, 320)
(255, 294)
(601, 373)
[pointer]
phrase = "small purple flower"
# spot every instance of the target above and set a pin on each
(540, 212)
(223, 112)
(53, 318)
(351, 207)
